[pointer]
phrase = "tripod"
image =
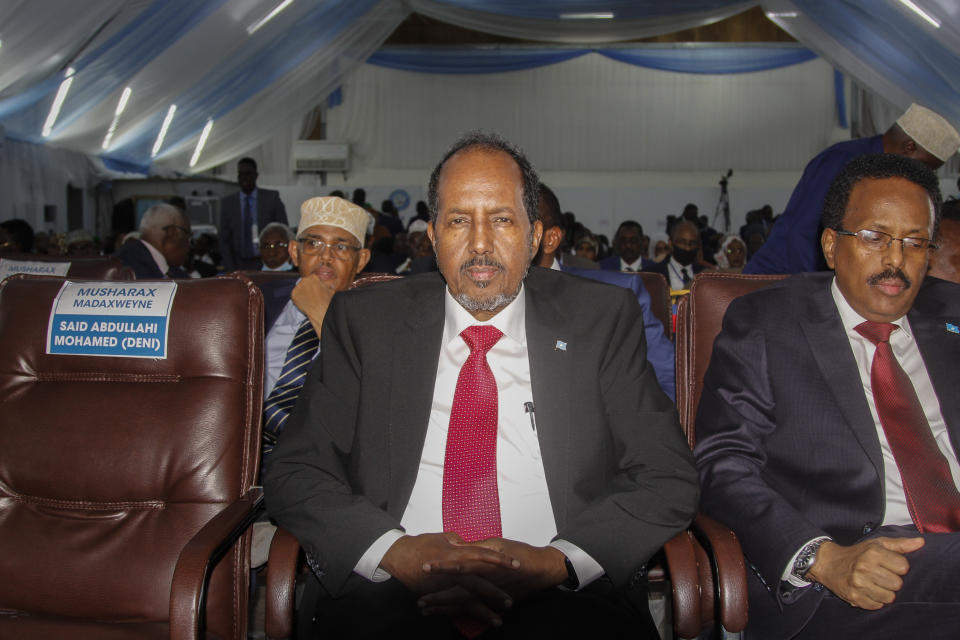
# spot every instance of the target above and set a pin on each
(723, 204)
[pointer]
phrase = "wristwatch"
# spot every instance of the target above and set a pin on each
(806, 558)
(572, 582)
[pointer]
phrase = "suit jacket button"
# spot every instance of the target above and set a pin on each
(867, 528)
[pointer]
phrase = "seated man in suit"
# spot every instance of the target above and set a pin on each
(660, 351)
(539, 453)
(829, 422)
(328, 253)
(243, 214)
(682, 264)
(627, 249)
(163, 246)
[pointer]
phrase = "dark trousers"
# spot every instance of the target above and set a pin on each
(927, 606)
(388, 609)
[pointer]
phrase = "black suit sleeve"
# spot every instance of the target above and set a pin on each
(736, 419)
(649, 490)
(307, 480)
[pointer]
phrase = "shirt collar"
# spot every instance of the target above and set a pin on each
(510, 320)
(556, 264)
(635, 265)
(157, 257)
(851, 319)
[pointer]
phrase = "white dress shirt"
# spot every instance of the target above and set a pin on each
(158, 258)
(905, 350)
(674, 270)
(636, 265)
(525, 510)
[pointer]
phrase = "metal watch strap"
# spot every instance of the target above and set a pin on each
(806, 558)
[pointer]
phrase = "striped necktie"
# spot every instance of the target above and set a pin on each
(284, 394)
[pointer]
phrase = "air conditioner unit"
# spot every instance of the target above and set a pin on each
(315, 156)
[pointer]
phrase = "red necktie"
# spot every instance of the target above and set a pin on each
(932, 496)
(471, 502)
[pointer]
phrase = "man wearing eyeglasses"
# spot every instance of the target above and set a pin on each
(829, 424)
(328, 252)
(275, 240)
(163, 246)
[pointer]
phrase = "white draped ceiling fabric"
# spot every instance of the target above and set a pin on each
(259, 87)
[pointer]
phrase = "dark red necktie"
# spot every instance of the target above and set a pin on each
(471, 502)
(932, 496)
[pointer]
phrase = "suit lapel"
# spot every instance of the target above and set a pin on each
(416, 351)
(828, 342)
(940, 350)
(552, 382)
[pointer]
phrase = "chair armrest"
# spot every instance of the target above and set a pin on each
(682, 567)
(281, 578)
(729, 571)
(205, 549)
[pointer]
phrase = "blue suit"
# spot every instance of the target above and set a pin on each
(794, 242)
(660, 351)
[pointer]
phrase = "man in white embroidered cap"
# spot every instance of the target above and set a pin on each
(794, 242)
(328, 252)
(476, 452)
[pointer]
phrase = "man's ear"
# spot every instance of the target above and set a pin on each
(293, 249)
(363, 257)
(430, 234)
(536, 237)
(828, 241)
(552, 238)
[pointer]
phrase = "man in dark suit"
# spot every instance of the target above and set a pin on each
(163, 246)
(430, 472)
(829, 423)
(627, 249)
(683, 262)
(243, 215)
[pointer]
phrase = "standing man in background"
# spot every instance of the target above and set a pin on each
(243, 215)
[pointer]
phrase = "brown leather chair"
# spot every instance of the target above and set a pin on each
(659, 291)
(260, 277)
(699, 318)
(124, 481)
(102, 268)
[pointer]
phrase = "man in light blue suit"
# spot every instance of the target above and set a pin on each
(660, 351)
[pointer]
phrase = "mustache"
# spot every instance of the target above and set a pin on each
(890, 274)
(481, 261)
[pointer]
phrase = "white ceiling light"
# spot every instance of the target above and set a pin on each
(58, 102)
(124, 97)
(599, 15)
(781, 14)
(201, 142)
(163, 131)
(920, 12)
(267, 18)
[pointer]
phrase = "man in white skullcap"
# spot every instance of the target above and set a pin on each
(794, 242)
(328, 252)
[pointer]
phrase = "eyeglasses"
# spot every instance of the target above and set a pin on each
(880, 241)
(316, 246)
(275, 245)
(184, 230)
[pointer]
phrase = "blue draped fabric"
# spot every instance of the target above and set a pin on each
(712, 60)
(249, 74)
(897, 46)
(471, 60)
(841, 97)
(622, 9)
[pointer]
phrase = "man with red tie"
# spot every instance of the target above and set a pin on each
(829, 424)
(476, 452)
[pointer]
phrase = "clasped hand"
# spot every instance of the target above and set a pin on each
(480, 579)
(868, 574)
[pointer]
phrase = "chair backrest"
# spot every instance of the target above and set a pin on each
(108, 465)
(101, 268)
(656, 285)
(364, 279)
(266, 277)
(699, 318)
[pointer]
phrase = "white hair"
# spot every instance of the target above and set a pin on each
(277, 225)
(158, 216)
